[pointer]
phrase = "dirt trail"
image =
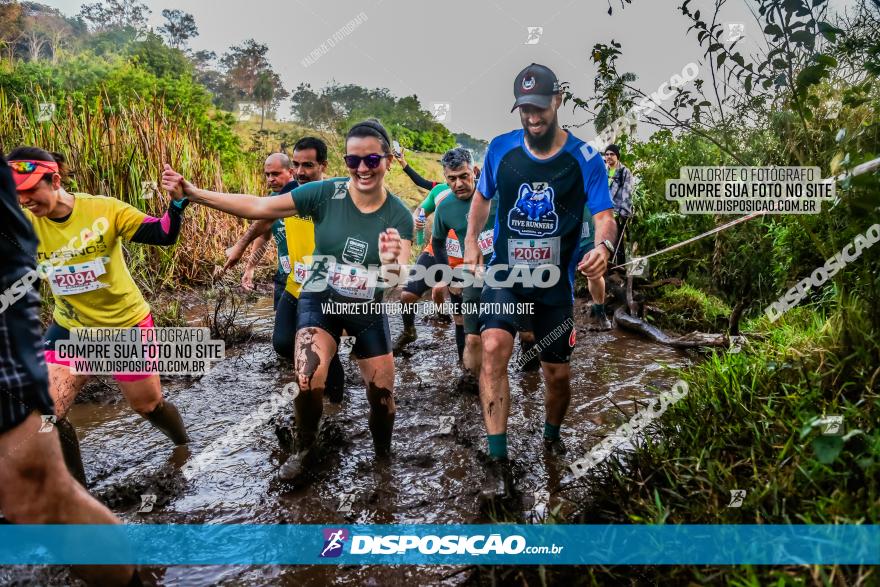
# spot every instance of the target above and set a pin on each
(431, 478)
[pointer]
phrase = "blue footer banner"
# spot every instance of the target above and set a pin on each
(440, 544)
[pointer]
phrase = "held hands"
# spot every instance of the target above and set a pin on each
(595, 263)
(389, 246)
(174, 183)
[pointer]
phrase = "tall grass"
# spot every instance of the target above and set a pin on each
(116, 151)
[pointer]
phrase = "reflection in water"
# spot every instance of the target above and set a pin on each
(431, 478)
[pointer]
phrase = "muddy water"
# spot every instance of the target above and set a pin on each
(431, 478)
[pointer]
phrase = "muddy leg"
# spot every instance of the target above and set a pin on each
(145, 397)
(494, 384)
(557, 398)
(64, 387)
(378, 373)
(314, 350)
(35, 488)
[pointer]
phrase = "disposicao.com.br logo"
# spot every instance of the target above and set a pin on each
(334, 540)
(476, 545)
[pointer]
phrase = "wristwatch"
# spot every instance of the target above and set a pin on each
(608, 245)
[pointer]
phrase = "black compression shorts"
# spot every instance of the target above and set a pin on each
(370, 330)
(553, 325)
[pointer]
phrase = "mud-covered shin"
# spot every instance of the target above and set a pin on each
(166, 418)
(381, 419)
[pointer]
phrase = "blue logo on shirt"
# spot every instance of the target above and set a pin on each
(535, 211)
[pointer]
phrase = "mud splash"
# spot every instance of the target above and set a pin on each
(432, 477)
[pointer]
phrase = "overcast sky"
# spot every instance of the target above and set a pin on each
(462, 52)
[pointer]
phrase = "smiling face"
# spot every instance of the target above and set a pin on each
(305, 167)
(363, 178)
(42, 199)
(540, 123)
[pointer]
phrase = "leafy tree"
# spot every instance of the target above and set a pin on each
(266, 92)
(477, 146)
(116, 14)
(313, 109)
(337, 106)
(10, 25)
(244, 66)
(179, 27)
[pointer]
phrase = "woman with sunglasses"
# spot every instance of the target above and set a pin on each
(359, 227)
(80, 252)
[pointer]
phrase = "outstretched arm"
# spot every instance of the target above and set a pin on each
(163, 231)
(241, 205)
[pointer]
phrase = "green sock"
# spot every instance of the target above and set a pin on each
(551, 432)
(498, 445)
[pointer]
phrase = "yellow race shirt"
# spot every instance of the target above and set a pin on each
(300, 244)
(90, 281)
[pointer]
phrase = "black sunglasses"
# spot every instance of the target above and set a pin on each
(372, 161)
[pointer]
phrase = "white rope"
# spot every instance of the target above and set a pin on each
(861, 169)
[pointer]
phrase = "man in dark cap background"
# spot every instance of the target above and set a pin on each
(621, 184)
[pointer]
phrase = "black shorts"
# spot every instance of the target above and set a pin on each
(284, 332)
(371, 332)
(279, 287)
(24, 380)
(555, 334)
(419, 287)
(470, 307)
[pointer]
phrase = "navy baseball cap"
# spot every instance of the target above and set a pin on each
(535, 85)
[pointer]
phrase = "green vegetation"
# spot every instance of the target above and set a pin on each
(687, 308)
(337, 107)
(126, 100)
(753, 419)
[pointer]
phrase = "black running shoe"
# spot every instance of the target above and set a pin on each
(498, 481)
(298, 464)
(407, 336)
(554, 446)
(599, 321)
(467, 383)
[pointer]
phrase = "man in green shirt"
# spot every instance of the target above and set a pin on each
(416, 288)
(451, 215)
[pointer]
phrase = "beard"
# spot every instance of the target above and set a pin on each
(543, 143)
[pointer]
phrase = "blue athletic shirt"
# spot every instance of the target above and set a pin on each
(541, 207)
